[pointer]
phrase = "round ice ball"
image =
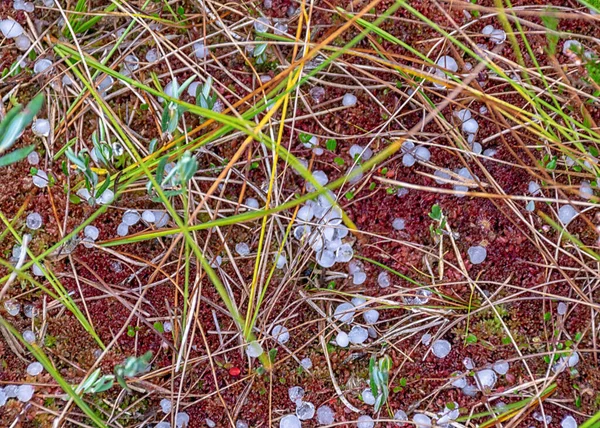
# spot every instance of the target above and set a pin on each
(280, 333)
(365, 421)
(448, 63)
(349, 100)
(10, 28)
(441, 348)
(342, 340)
(344, 313)
(566, 214)
(34, 369)
(477, 254)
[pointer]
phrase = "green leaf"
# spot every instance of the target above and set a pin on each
(259, 49)
(339, 161)
(471, 339)
(436, 212)
(16, 120)
(158, 326)
(551, 23)
(304, 138)
(16, 155)
(104, 186)
(331, 144)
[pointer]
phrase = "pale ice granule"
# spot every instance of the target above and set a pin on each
(477, 254)
(441, 348)
(384, 279)
(295, 393)
(365, 421)
(398, 224)
(306, 363)
(566, 214)
(254, 350)
(422, 421)
(485, 378)
(29, 336)
(561, 309)
(280, 333)
(344, 313)
(34, 368)
(501, 367)
(371, 316)
(342, 340)
(25, 393)
(166, 405)
(349, 100)
(358, 335)
(182, 419)
(325, 415)
(242, 249)
(290, 421)
(34, 221)
(122, 229)
(305, 410)
(368, 397)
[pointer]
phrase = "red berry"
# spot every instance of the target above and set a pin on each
(234, 371)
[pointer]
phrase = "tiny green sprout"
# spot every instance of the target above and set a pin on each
(132, 367)
(331, 144)
(304, 138)
(260, 53)
(204, 98)
(379, 372)
(436, 212)
(254, 165)
(130, 331)
(12, 127)
(552, 164)
(349, 195)
(95, 383)
(547, 316)
(172, 112)
(273, 355)
(438, 216)
(384, 171)
(331, 285)
(372, 186)
(158, 326)
(390, 190)
(471, 339)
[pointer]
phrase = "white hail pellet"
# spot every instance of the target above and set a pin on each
(34, 369)
(280, 333)
(349, 100)
(10, 28)
(254, 350)
(477, 254)
(566, 214)
(441, 348)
